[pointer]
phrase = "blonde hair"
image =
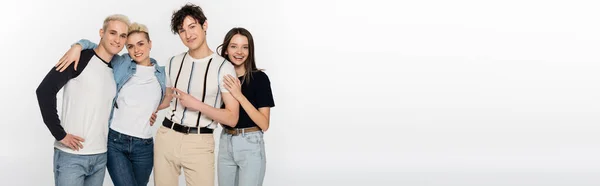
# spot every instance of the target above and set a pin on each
(116, 17)
(138, 28)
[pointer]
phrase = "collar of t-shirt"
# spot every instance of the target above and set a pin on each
(144, 71)
(201, 60)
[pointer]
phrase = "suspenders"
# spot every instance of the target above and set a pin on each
(203, 91)
(176, 80)
(218, 89)
(203, 88)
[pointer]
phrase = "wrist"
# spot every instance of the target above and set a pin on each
(239, 97)
(77, 45)
(198, 106)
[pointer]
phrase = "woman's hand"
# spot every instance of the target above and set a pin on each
(70, 56)
(233, 85)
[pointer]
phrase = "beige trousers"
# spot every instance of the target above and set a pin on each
(192, 152)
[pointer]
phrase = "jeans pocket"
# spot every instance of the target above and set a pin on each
(149, 141)
(56, 158)
(253, 139)
(113, 136)
(112, 139)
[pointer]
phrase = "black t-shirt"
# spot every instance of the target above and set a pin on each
(258, 92)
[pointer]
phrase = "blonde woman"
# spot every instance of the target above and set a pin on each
(141, 90)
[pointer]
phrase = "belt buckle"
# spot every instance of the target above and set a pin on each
(186, 129)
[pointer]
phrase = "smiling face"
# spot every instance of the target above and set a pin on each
(139, 46)
(238, 49)
(114, 36)
(192, 33)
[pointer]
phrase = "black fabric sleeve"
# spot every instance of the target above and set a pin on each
(49, 87)
(264, 95)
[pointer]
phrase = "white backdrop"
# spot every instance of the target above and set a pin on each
(415, 93)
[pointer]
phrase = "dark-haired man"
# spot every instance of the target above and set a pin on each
(185, 139)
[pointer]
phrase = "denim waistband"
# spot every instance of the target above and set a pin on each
(112, 132)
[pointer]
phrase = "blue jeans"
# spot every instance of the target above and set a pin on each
(129, 159)
(241, 160)
(78, 170)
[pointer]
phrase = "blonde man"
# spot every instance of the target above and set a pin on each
(140, 90)
(81, 136)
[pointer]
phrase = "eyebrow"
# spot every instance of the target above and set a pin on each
(181, 27)
(140, 41)
(123, 34)
(232, 43)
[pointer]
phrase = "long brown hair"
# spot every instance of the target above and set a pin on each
(249, 64)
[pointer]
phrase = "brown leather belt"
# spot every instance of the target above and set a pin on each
(238, 131)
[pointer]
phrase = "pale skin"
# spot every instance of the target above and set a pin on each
(237, 51)
(138, 47)
(111, 42)
(111, 46)
(193, 36)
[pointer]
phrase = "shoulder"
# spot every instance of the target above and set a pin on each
(218, 57)
(124, 57)
(223, 63)
(176, 59)
(85, 56)
(84, 59)
(179, 56)
(160, 68)
(260, 79)
(153, 61)
(87, 53)
(260, 76)
(121, 61)
(221, 60)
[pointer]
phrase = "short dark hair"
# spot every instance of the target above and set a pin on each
(187, 10)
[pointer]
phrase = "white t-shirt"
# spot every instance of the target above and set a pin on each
(138, 99)
(86, 105)
(194, 74)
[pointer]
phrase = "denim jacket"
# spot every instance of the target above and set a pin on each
(124, 68)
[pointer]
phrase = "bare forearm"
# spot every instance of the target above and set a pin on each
(223, 116)
(164, 104)
(168, 97)
(259, 118)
